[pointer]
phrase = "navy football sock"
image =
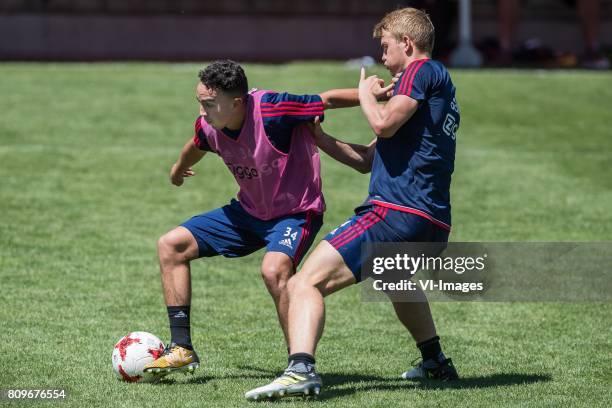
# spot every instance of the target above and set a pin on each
(180, 329)
(431, 349)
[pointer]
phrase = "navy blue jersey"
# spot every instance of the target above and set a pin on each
(280, 113)
(412, 169)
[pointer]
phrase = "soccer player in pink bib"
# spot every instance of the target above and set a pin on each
(264, 139)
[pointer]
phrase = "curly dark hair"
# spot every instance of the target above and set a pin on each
(225, 75)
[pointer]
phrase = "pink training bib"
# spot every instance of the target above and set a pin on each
(272, 183)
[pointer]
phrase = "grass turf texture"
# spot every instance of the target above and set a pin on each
(85, 153)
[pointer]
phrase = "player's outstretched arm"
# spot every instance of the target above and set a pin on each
(340, 98)
(190, 155)
(385, 119)
(347, 98)
(353, 155)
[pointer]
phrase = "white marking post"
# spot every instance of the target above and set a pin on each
(465, 55)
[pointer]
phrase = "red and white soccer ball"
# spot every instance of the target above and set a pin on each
(133, 352)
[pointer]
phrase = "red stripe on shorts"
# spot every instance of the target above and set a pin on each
(360, 227)
(303, 239)
(350, 230)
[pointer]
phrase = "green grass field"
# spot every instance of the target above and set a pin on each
(85, 152)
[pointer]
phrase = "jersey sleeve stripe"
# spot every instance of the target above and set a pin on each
(406, 85)
(303, 110)
(198, 130)
(291, 107)
(201, 144)
(405, 76)
(413, 75)
(199, 138)
(306, 114)
(268, 105)
(292, 103)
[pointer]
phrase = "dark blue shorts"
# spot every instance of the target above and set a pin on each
(232, 232)
(372, 223)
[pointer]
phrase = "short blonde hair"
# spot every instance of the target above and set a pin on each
(409, 22)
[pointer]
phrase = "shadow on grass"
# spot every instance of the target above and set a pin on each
(337, 385)
(485, 381)
(203, 379)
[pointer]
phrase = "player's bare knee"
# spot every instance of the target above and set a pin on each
(291, 284)
(299, 283)
(275, 275)
(163, 247)
(171, 247)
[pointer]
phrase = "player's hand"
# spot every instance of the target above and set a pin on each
(177, 175)
(373, 85)
(316, 129)
(390, 88)
(386, 92)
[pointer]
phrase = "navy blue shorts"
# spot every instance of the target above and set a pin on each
(232, 232)
(373, 223)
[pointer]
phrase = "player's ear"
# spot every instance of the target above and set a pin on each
(407, 45)
(239, 100)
